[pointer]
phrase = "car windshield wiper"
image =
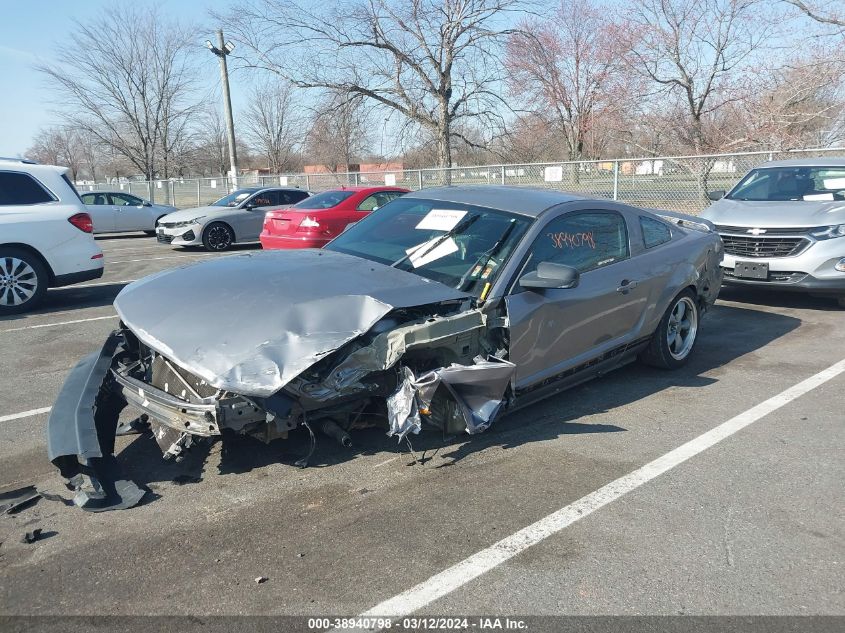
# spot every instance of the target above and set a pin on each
(458, 228)
(485, 258)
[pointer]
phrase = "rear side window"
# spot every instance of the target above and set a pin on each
(654, 232)
(22, 189)
(291, 197)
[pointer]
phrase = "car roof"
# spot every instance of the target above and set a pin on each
(528, 201)
(832, 161)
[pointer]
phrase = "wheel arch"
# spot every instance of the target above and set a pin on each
(36, 253)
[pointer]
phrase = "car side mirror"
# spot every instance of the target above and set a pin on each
(250, 205)
(716, 195)
(551, 275)
(146, 204)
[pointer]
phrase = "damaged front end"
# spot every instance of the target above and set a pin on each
(437, 364)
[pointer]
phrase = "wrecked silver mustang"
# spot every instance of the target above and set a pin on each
(445, 308)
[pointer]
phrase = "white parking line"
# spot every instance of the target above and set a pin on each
(35, 327)
(24, 414)
(470, 568)
(100, 283)
(149, 259)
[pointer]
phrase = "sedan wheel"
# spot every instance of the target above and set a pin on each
(682, 328)
(676, 335)
(217, 237)
(23, 281)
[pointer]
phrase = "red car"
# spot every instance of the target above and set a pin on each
(315, 221)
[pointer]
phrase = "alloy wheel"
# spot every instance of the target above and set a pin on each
(219, 238)
(18, 281)
(682, 328)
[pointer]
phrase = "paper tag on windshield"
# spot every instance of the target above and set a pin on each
(819, 196)
(834, 183)
(419, 256)
(441, 220)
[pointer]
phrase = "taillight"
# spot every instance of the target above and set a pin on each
(83, 222)
(308, 224)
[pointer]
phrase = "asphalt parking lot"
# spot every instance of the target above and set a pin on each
(753, 525)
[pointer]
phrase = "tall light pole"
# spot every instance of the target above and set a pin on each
(221, 50)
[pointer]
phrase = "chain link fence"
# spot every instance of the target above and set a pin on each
(677, 183)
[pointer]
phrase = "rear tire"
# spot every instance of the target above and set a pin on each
(675, 337)
(218, 236)
(23, 281)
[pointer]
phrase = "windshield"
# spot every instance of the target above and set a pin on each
(791, 183)
(325, 200)
(234, 198)
(462, 246)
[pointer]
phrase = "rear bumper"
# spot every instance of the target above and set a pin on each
(270, 242)
(78, 277)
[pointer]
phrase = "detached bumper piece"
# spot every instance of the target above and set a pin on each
(81, 433)
(476, 393)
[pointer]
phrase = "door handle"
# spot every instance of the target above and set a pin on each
(627, 285)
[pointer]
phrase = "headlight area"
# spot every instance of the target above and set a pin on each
(828, 232)
(186, 223)
(840, 265)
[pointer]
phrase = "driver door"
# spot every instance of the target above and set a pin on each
(554, 330)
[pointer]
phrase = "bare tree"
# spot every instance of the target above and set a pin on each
(338, 131)
(567, 67)
(827, 12)
(799, 104)
(134, 93)
(274, 124)
(434, 61)
(59, 145)
(695, 51)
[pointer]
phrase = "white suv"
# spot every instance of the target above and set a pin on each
(46, 237)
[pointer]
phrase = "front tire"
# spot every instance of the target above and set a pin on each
(218, 236)
(23, 281)
(675, 337)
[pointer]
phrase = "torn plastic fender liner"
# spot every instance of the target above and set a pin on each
(83, 424)
(478, 389)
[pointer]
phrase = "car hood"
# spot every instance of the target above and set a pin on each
(250, 323)
(189, 214)
(775, 214)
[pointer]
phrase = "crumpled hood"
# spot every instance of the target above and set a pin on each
(184, 215)
(787, 214)
(250, 323)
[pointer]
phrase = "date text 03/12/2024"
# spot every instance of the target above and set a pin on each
(419, 623)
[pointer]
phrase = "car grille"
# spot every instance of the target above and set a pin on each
(164, 239)
(763, 246)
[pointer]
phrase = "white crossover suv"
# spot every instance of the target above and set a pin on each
(783, 227)
(46, 237)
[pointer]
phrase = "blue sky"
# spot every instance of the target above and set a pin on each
(31, 31)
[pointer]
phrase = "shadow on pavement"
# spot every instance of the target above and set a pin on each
(778, 299)
(72, 298)
(727, 334)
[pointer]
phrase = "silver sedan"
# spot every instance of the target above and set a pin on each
(116, 212)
